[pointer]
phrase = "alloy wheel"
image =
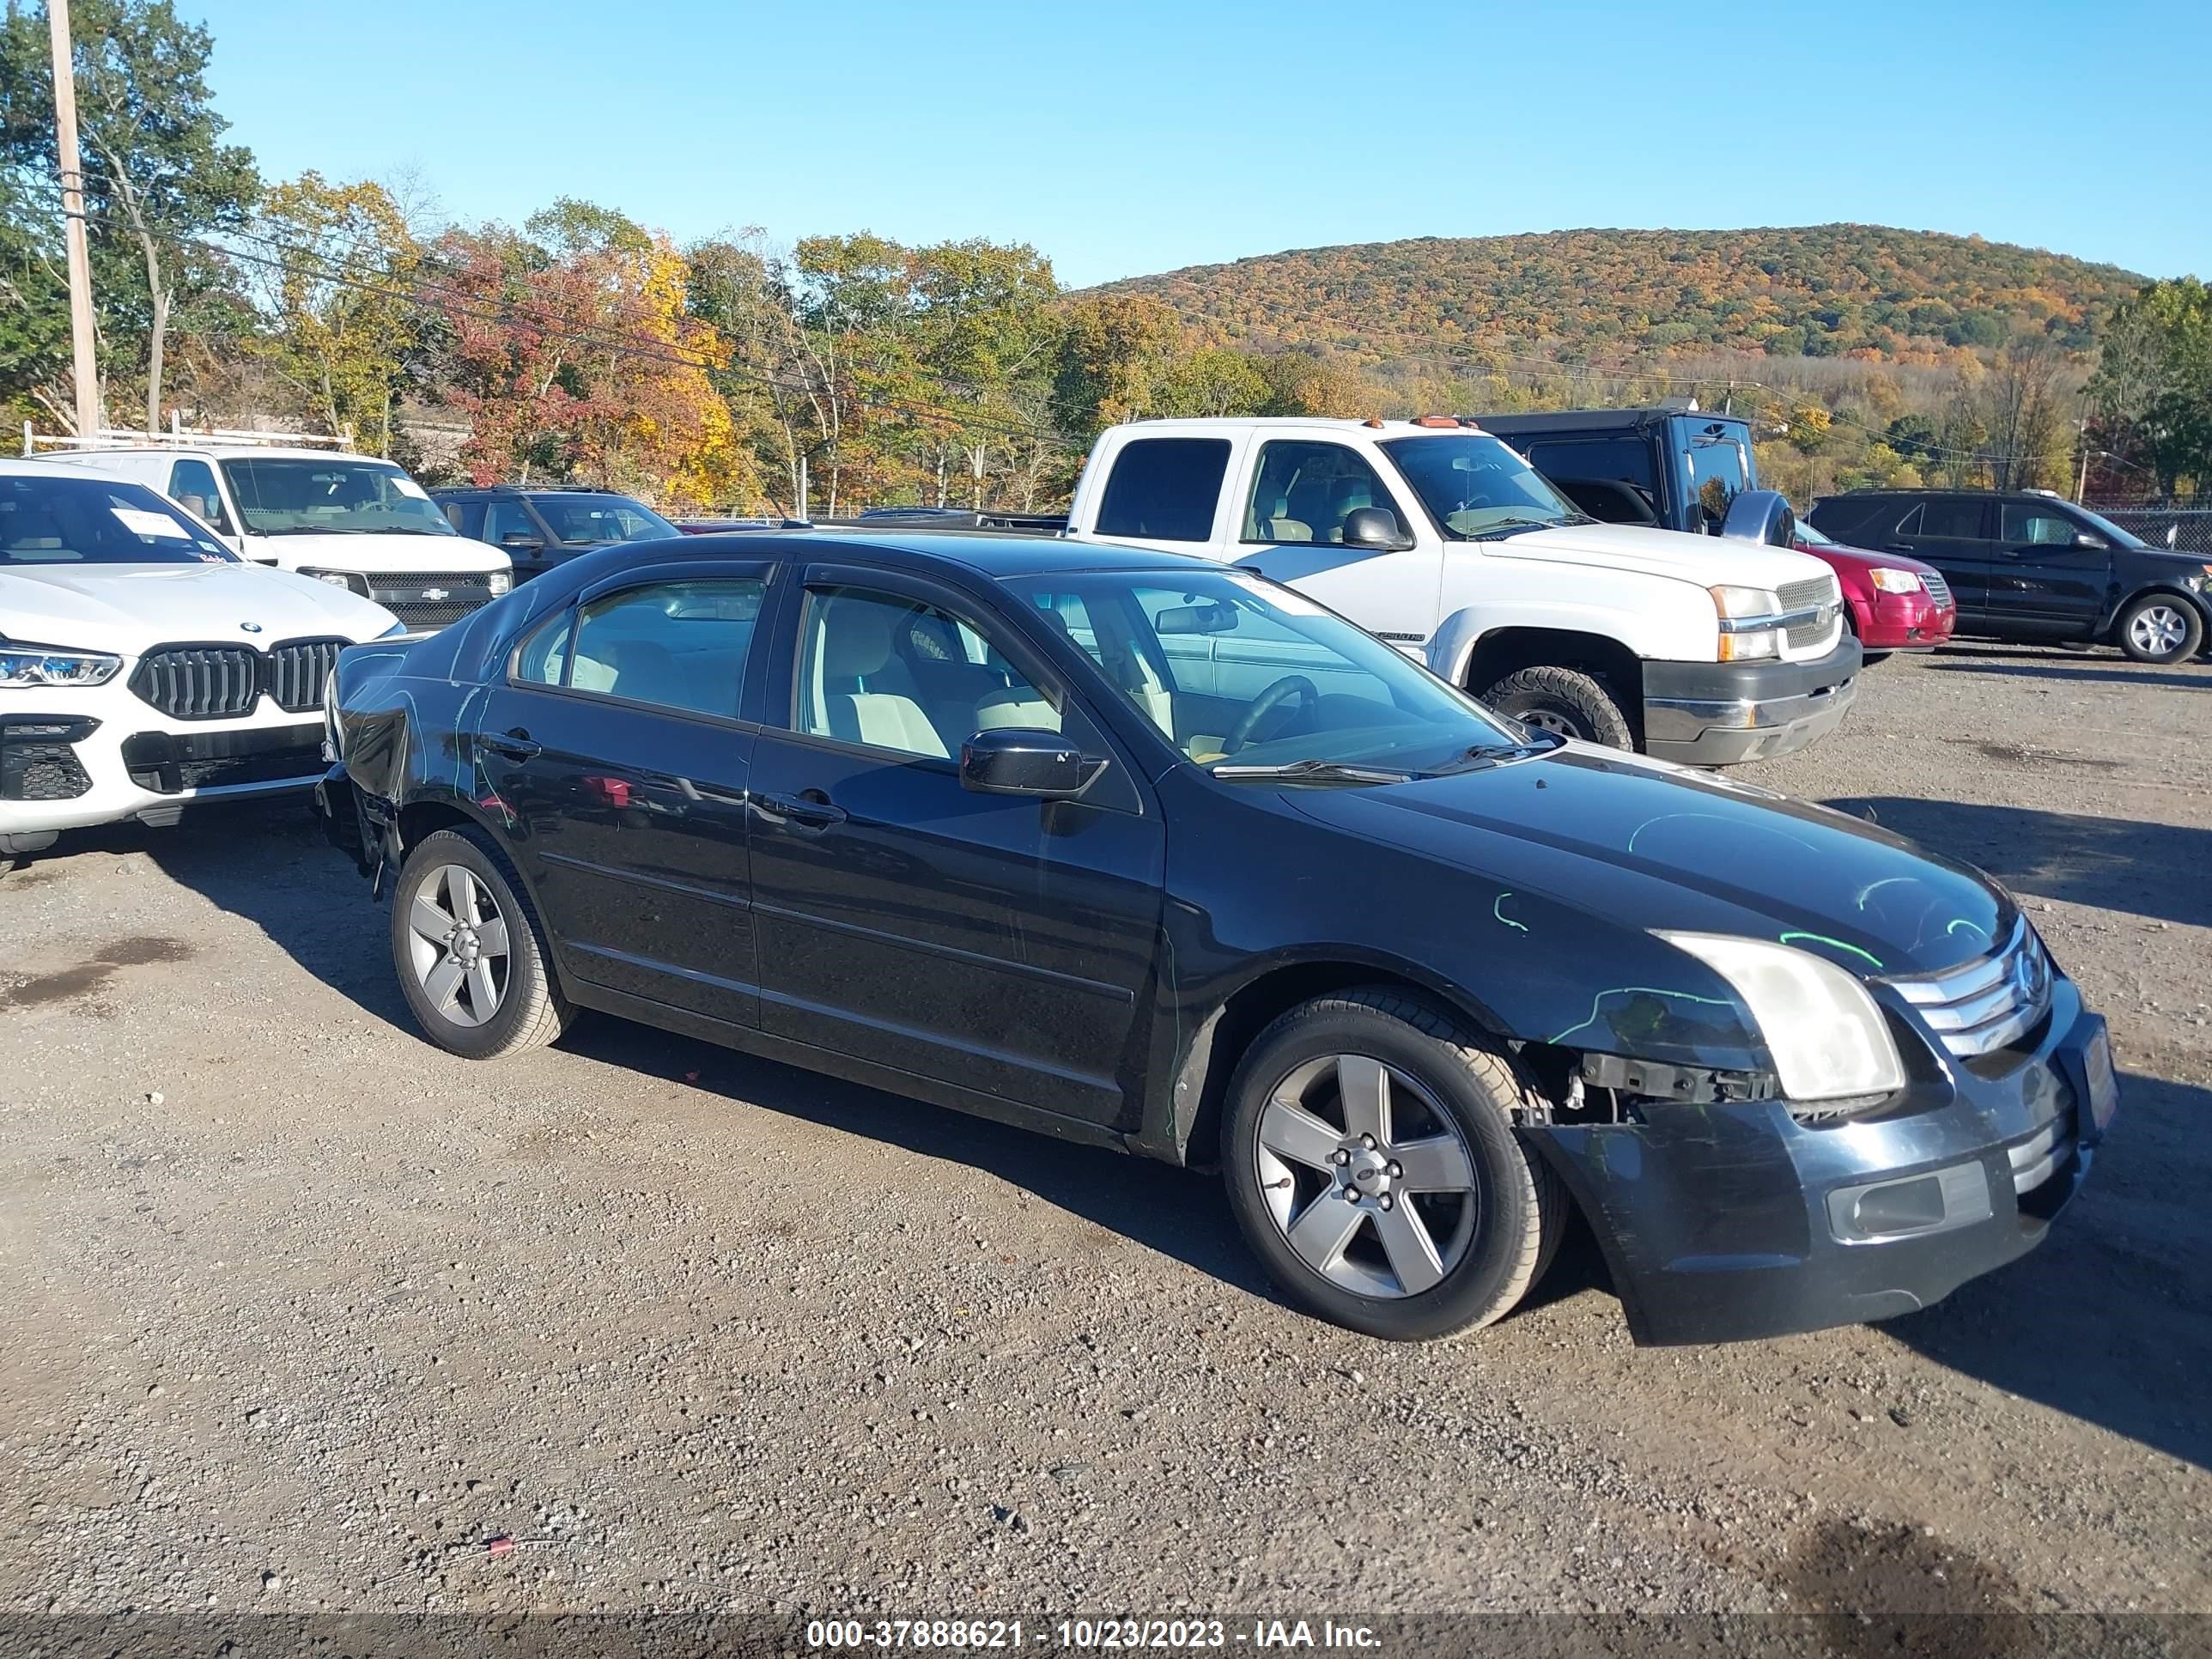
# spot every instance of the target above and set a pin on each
(1368, 1176)
(1546, 720)
(457, 944)
(2158, 630)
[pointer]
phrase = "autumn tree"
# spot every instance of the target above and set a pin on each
(2151, 391)
(335, 283)
(159, 179)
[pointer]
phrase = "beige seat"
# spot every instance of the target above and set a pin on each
(861, 689)
(1277, 525)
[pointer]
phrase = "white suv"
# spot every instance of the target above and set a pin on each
(352, 520)
(143, 664)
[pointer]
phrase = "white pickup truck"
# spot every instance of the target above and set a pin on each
(353, 521)
(1439, 537)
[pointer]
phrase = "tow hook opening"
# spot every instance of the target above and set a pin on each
(1581, 1087)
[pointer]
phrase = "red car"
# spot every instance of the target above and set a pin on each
(1893, 603)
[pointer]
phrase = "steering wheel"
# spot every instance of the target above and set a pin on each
(1290, 685)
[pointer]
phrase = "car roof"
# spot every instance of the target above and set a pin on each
(1597, 420)
(41, 469)
(986, 553)
(222, 452)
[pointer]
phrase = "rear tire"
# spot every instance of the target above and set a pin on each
(1443, 1222)
(2159, 628)
(469, 950)
(1565, 701)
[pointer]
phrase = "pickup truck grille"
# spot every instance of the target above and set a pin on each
(1992, 1001)
(429, 598)
(222, 681)
(1939, 590)
(1815, 590)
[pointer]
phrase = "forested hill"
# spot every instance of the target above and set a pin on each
(1821, 290)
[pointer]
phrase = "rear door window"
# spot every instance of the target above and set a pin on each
(678, 645)
(1948, 520)
(1164, 489)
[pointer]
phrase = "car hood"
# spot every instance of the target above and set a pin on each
(377, 554)
(1708, 560)
(1864, 558)
(1597, 840)
(127, 608)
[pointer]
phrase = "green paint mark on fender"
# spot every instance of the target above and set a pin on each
(1824, 940)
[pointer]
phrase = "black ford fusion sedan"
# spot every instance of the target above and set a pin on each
(1143, 851)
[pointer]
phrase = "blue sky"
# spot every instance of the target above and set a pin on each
(1135, 136)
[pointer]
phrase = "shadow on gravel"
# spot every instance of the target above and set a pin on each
(1177, 1213)
(2108, 1319)
(268, 863)
(2157, 869)
(2059, 668)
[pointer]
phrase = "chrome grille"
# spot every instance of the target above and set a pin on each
(199, 682)
(1987, 1002)
(1815, 591)
(1939, 590)
(296, 672)
(429, 598)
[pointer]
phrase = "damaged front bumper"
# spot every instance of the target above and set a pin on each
(1722, 1223)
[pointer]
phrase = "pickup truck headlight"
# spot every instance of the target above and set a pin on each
(44, 665)
(1828, 1039)
(2199, 584)
(352, 580)
(1894, 582)
(499, 582)
(1737, 606)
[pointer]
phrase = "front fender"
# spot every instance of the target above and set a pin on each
(1652, 618)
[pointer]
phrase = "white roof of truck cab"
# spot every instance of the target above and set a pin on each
(215, 451)
(1223, 425)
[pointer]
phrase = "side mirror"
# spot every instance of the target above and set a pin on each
(522, 539)
(2089, 538)
(1019, 760)
(1763, 516)
(1375, 527)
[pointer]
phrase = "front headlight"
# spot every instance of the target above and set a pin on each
(352, 580)
(1736, 606)
(1894, 582)
(2200, 584)
(1828, 1039)
(499, 582)
(44, 665)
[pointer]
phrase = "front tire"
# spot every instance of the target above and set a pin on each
(469, 950)
(2159, 628)
(1565, 701)
(1372, 1162)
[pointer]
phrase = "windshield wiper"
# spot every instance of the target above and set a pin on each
(1509, 526)
(1315, 771)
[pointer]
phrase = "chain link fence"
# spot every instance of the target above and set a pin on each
(2189, 527)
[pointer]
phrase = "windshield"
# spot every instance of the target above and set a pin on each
(1238, 672)
(2120, 537)
(1811, 537)
(338, 496)
(1475, 486)
(594, 521)
(66, 520)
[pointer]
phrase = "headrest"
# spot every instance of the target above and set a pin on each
(858, 640)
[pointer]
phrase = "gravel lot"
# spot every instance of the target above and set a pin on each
(302, 1313)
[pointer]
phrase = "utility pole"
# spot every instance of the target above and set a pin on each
(87, 370)
(2082, 484)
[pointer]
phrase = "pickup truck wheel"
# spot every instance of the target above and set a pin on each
(1565, 701)
(1372, 1162)
(471, 951)
(2159, 628)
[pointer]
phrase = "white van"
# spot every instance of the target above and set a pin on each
(309, 505)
